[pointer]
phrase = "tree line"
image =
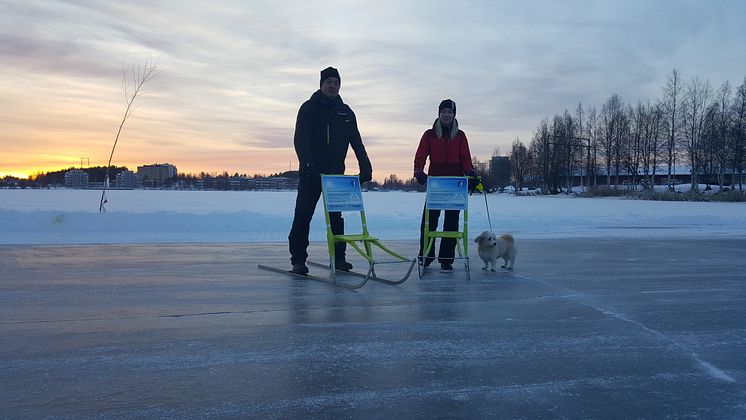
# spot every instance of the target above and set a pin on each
(691, 125)
(95, 174)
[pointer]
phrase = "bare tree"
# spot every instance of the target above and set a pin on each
(646, 137)
(739, 132)
(519, 163)
(696, 101)
(646, 116)
(134, 77)
(540, 148)
(622, 139)
(633, 146)
(672, 92)
(492, 176)
(573, 144)
(559, 152)
(481, 168)
(708, 146)
(722, 132)
(392, 182)
(584, 132)
(592, 130)
(612, 121)
(652, 143)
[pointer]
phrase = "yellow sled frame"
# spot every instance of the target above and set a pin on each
(363, 243)
(462, 241)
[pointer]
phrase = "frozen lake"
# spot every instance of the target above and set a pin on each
(174, 319)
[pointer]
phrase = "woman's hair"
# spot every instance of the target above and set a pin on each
(438, 127)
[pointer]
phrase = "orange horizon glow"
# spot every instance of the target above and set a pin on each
(18, 175)
(29, 173)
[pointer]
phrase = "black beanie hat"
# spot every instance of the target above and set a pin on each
(329, 72)
(447, 104)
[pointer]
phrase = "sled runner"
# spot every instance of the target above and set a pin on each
(446, 193)
(371, 273)
(324, 279)
(342, 193)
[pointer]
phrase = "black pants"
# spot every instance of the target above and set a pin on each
(309, 191)
(447, 245)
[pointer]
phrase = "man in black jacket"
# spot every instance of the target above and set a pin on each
(324, 129)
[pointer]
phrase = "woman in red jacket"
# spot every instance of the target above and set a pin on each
(449, 154)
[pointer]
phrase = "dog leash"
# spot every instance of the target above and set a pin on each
(488, 210)
(479, 187)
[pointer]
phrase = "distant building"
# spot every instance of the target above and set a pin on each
(238, 183)
(156, 174)
(273, 183)
(500, 171)
(206, 183)
(126, 179)
(76, 178)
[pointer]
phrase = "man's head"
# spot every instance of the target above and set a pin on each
(330, 82)
(447, 111)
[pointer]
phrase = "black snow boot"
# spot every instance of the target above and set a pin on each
(342, 265)
(299, 268)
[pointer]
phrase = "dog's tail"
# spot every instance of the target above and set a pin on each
(507, 237)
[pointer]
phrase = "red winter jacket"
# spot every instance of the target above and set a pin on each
(448, 157)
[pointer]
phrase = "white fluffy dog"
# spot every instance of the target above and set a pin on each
(490, 248)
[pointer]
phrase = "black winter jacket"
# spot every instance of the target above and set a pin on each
(323, 131)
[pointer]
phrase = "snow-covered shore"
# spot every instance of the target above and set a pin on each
(62, 216)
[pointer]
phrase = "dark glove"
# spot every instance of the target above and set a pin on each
(421, 177)
(311, 173)
(475, 183)
(365, 176)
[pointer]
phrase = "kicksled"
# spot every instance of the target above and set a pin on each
(339, 277)
(342, 193)
(446, 193)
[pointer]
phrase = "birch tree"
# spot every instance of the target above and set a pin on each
(739, 132)
(519, 163)
(134, 77)
(672, 92)
(696, 101)
(722, 132)
(610, 139)
(592, 130)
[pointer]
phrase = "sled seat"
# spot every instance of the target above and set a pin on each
(447, 193)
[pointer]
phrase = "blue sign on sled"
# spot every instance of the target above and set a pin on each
(342, 193)
(447, 193)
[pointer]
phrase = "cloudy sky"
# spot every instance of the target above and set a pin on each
(232, 74)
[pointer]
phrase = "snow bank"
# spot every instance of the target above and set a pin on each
(62, 216)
